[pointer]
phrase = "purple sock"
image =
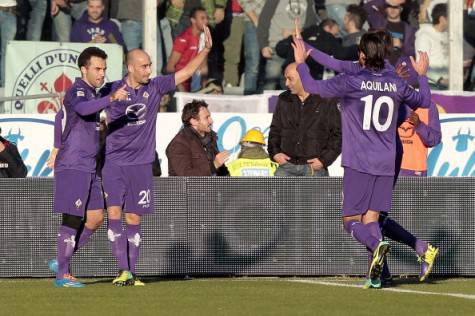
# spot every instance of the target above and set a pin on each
(134, 239)
(84, 237)
(396, 232)
(118, 242)
(66, 243)
(375, 230)
(362, 234)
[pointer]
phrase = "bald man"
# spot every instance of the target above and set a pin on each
(129, 153)
(305, 133)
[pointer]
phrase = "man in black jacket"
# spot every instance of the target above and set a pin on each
(11, 164)
(305, 133)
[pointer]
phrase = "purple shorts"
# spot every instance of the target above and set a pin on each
(77, 191)
(129, 187)
(363, 192)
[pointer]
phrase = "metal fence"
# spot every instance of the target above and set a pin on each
(244, 226)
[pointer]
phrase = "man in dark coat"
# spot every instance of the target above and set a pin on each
(194, 150)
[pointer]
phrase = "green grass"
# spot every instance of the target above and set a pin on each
(235, 296)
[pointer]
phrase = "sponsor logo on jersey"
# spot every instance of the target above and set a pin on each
(136, 114)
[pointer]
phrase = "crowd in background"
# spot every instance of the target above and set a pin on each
(251, 37)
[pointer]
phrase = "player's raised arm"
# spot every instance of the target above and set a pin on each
(186, 73)
(334, 87)
(422, 98)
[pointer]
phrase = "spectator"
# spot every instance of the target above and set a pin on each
(219, 25)
(37, 17)
(323, 38)
(186, 46)
(386, 14)
(420, 131)
(253, 160)
(232, 46)
(337, 9)
(179, 13)
(277, 22)
(11, 164)
(194, 150)
(8, 29)
(130, 15)
(434, 40)
(93, 27)
(252, 9)
(353, 22)
(305, 133)
(425, 10)
(63, 12)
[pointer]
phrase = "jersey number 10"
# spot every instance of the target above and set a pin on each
(372, 112)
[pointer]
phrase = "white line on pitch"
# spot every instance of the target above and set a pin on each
(459, 295)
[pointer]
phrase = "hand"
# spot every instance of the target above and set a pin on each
(422, 64)
(281, 158)
(208, 38)
(267, 52)
(299, 51)
(414, 119)
(315, 164)
(218, 15)
(2, 147)
(221, 158)
(98, 39)
(62, 3)
(119, 95)
(402, 71)
(54, 8)
(52, 158)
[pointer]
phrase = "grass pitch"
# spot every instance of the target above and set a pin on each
(239, 296)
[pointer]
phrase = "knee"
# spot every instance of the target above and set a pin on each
(132, 219)
(114, 212)
(94, 222)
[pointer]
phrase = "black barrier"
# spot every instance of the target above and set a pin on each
(244, 226)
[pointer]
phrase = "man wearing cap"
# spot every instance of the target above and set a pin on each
(253, 160)
(305, 133)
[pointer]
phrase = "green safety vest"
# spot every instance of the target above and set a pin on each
(243, 167)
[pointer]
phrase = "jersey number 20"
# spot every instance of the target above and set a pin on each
(372, 112)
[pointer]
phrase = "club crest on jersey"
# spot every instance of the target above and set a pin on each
(136, 114)
(78, 203)
(146, 95)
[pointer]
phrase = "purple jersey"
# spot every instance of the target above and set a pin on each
(132, 123)
(79, 142)
(369, 108)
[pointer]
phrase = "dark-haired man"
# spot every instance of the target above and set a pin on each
(353, 22)
(369, 103)
(130, 152)
(194, 150)
(186, 46)
(78, 193)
